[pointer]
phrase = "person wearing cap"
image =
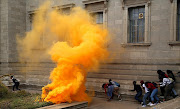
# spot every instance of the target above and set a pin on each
(147, 93)
(16, 83)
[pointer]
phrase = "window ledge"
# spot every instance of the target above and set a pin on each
(136, 44)
(174, 43)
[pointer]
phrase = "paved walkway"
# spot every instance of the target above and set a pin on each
(101, 103)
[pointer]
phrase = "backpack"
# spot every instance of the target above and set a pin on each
(155, 85)
(171, 79)
(117, 84)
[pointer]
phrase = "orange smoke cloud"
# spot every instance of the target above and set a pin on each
(76, 45)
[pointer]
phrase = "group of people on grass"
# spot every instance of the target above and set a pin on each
(166, 85)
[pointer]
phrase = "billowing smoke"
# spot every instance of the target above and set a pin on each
(74, 42)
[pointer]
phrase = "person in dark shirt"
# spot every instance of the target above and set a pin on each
(171, 75)
(16, 83)
(138, 89)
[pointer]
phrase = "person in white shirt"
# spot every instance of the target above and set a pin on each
(147, 93)
(169, 86)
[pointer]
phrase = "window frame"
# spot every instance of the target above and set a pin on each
(135, 38)
(104, 10)
(147, 31)
(173, 27)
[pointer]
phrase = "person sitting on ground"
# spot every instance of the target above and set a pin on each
(116, 88)
(169, 86)
(171, 75)
(147, 93)
(109, 92)
(154, 92)
(138, 89)
(16, 83)
(161, 75)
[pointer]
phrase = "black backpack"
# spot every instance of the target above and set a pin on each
(155, 85)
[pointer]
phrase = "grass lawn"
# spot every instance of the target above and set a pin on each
(19, 99)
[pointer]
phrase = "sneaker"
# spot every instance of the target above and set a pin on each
(149, 103)
(152, 104)
(143, 105)
(161, 96)
(118, 96)
(120, 99)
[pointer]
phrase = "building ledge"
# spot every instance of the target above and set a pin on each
(174, 43)
(93, 1)
(136, 44)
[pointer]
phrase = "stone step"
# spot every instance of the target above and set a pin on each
(125, 76)
(125, 85)
(73, 105)
(171, 104)
(149, 67)
(125, 97)
(127, 71)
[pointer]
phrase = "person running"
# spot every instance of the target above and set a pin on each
(138, 89)
(16, 83)
(116, 88)
(147, 93)
(154, 92)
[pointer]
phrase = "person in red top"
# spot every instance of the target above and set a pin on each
(110, 90)
(154, 92)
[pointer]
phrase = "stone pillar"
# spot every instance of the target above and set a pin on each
(125, 25)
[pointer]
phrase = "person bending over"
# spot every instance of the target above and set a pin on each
(16, 83)
(138, 89)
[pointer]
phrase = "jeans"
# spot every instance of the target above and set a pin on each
(154, 95)
(146, 95)
(110, 91)
(138, 95)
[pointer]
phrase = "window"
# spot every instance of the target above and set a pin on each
(178, 21)
(99, 17)
(98, 10)
(136, 24)
(175, 23)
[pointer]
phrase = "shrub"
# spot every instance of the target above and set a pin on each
(3, 90)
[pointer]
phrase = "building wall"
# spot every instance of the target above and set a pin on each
(127, 62)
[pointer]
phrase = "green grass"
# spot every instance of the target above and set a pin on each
(19, 99)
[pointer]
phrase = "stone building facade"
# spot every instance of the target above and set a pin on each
(145, 38)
